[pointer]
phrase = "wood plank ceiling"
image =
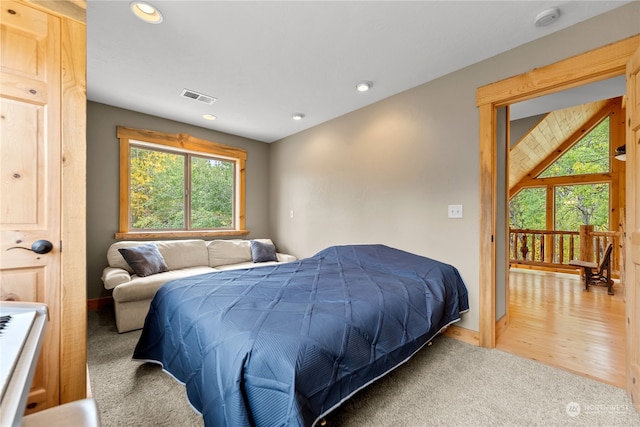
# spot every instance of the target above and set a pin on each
(546, 137)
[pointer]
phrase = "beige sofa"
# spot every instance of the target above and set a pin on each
(132, 294)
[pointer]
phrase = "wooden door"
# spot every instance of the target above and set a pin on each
(30, 176)
(632, 285)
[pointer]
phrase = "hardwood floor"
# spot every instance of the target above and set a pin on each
(552, 320)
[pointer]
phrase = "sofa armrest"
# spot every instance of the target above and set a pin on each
(114, 276)
(285, 257)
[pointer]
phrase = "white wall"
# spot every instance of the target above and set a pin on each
(386, 173)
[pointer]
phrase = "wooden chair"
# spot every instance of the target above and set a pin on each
(597, 274)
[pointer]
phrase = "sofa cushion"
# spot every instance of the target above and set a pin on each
(177, 253)
(184, 253)
(144, 260)
(263, 251)
(140, 288)
(224, 252)
(285, 257)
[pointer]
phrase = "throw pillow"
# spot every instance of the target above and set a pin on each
(263, 252)
(144, 260)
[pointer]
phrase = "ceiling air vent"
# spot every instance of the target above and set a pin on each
(198, 96)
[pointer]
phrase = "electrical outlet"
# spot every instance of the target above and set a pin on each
(454, 211)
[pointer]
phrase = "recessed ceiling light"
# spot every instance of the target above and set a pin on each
(146, 12)
(297, 116)
(364, 86)
(209, 116)
(547, 17)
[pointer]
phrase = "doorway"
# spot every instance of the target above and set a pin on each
(547, 315)
(599, 64)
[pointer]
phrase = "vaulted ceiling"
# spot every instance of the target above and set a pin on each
(548, 139)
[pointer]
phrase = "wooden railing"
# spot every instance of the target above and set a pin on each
(554, 249)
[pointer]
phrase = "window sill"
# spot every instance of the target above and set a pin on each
(178, 234)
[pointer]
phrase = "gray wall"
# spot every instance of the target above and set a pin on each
(103, 179)
(387, 172)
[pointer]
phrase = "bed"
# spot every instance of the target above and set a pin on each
(286, 344)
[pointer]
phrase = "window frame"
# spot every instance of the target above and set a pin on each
(553, 189)
(614, 177)
(182, 143)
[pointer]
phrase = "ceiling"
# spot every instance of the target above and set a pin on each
(598, 91)
(264, 60)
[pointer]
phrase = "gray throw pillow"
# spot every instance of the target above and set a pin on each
(263, 252)
(144, 260)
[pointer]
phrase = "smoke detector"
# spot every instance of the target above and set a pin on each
(547, 17)
(198, 96)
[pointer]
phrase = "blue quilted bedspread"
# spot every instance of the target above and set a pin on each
(285, 344)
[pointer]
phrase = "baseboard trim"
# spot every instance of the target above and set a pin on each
(501, 325)
(98, 303)
(463, 334)
(89, 392)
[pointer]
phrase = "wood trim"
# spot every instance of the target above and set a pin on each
(502, 324)
(462, 334)
(550, 206)
(99, 303)
(180, 234)
(241, 195)
(53, 295)
(123, 201)
(618, 171)
(632, 242)
(182, 141)
(595, 65)
(593, 178)
(487, 182)
(73, 337)
(185, 143)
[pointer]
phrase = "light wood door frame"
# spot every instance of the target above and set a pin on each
(632, 238)
(595, 65)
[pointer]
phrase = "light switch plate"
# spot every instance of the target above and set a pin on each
(454, 211)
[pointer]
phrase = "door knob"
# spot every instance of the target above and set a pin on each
(39, 247)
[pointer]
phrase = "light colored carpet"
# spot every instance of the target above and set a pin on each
(447, 384)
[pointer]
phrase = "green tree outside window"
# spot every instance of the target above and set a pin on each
(161, 195)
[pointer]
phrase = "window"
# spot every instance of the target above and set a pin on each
(583, 204)
(587, 156)
(527, 209)
(175, 185)
(580, 187)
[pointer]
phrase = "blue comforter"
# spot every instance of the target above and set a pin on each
(285, 344)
